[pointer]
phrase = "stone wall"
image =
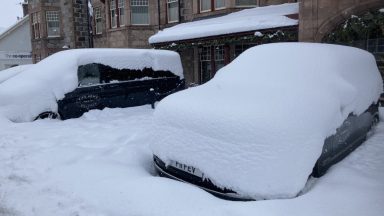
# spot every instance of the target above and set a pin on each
(73, 27)
(319, 17)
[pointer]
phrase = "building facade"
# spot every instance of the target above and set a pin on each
(61, 24)
(130, 23)
(15, 45)
(57, 25)
(358, 23)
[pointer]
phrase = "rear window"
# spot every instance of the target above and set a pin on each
(96, 74)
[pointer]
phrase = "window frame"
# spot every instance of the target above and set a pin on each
(137, 4)
(169, 2)
(112, 14)
(36, 25)
(49, 14)
(208, 10)
(98, 20)
(257, 3)
(219, 8)
(121, 8)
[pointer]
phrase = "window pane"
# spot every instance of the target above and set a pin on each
(112, 5)
(380, 45)
(139, 12)
(88, 75)
(173, 10)
(98, 21)
(53, 23)
(205, 5)
(246, 3)
(219, 3)
(112, 13)
(121, 5)
(113, 19)
(205, 64)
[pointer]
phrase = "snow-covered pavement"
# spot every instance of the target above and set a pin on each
(101, 165)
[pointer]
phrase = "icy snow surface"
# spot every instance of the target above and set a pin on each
(246, 20)
(25, 96)
(13, 71)
(101, 165)
(259, 125)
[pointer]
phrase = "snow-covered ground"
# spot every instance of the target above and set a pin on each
(101, 165)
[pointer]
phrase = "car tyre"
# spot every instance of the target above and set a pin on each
(48, 115)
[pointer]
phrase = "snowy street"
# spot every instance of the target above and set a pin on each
(101, 165)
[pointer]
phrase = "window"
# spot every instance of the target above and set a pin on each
(112, 12)
(173, 10)
(212, 59)
(205, 64)
(211, 5)
(139, 12)
(121, 7)
(219, 4)
(375, 45)
(205, 5)
(98, 21)
(53, 23)
(219, 57)
(36, 25)
(246, 3)
(240, 48)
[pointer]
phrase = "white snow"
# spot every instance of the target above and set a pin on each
(245, 20)
(25, 96)
(101, 165)
(259, 125)
(381, 10)
(13, 71)
(259, 34)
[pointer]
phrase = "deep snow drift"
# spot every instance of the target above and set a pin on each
(39, 88)
(259, 125)
(101, 165)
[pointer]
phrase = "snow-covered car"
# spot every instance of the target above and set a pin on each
(72, 82)
(276, 115)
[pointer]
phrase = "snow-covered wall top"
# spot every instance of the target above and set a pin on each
(242, 21)
(37, 89)
(259, 125)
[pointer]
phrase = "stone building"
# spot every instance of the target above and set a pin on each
(130, 23)
(57, 25)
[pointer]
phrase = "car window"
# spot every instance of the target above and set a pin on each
(96, 74)
(88, 75)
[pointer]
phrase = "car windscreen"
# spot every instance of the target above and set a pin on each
(96, 74)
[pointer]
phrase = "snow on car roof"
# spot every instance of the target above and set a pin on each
(246, 20)
(25, 96)
(13, 71)
(259, 125)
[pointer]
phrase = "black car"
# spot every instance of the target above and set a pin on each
(70, 82)
(102, 86)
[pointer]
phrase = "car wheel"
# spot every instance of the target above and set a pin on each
(48, 115)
